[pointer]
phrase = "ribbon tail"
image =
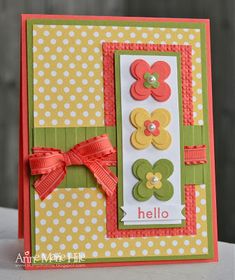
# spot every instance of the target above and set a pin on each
(104, 177)
(48, 182)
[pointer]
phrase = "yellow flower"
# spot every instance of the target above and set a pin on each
(150, 128)
(153, 180)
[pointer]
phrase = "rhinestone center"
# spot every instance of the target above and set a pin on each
(152, 79)
(154, 180)
(151, 127)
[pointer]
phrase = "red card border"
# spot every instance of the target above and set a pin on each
(24, 206)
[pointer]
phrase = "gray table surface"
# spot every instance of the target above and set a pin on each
(10, 247)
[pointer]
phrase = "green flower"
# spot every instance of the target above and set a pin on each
(153, 180)
(151, 80)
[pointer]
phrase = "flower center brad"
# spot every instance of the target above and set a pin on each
(151, 80)
(153, 180)
(151, 128)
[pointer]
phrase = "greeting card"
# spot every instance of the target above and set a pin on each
(116, 142)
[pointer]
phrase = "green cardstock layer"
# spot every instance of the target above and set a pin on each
(65, 138)
(121, 214)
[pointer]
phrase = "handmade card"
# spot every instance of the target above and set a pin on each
(116, 142)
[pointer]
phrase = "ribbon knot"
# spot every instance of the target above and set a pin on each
(96, 154)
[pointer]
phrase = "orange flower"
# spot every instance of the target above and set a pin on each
(150, 80)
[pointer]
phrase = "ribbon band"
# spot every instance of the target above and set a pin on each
(96, 154)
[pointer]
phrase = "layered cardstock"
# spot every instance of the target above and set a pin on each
(116, 142)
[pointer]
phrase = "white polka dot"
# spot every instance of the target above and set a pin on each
(205, 250)
(41, 73)
(53, 57)
(55, 204)
(84, 34)
(75, 246)
(203, 201)
(69, 238)
(79, 122)
(107, 253)
(49, 213)
(180, 36)
(90, 42)
(59, 65)
(100, 212)
(156, 251)
(62, 246)
(198, 241)
(54, 89)
(53, 41)
(68, 204)
(96, 50)
(66, 105)
(74, 229)
(62, 213)
(66, 57)
(68, 221)
(181, 251)
(40, 41)
(55, 221)
(47, 81)
(193, 250)
(84, 81)
(120, 253)
(49, 230)
(43, 238)
(91, 74)
(62, 229)
(169, 251)
(94, 237)
(87, 229)
(85, 114)
(92, 122)
(81, 221)
(42, 205)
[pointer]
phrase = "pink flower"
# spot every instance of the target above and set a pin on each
(150, 80)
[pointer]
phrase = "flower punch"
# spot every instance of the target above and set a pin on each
(150, 80)
(150, 128)
(153, 180)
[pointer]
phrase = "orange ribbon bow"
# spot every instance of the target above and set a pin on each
(96, 154)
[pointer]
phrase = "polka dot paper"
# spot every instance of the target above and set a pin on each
(74, 219)
(116, 146)
(68, 69)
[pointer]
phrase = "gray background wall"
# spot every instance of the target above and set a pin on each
(220, 12)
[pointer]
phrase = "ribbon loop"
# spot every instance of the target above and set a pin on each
(96, 154)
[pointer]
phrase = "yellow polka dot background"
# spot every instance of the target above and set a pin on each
(68, 70)
(73, 220)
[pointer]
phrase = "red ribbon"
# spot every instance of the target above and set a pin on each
(96, 154)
